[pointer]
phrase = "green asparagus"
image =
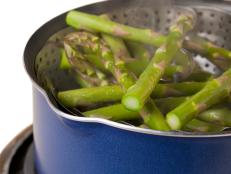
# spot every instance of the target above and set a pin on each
(201, 126)
(217, 115)
(80, 20)
(118, 112)
(78, 97)
(220, 56)
(213, 92)
(108, 73)
(137, 95)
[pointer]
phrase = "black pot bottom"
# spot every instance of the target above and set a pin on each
(17, 157)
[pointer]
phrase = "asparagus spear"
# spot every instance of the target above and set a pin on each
(200, 76)
(138, 50)
(90, 96)
(137, 95)
(167, 104)
(213, 92)
(153, 118)
(217, 115)
(71, 17)
(103, 53)
(115, 112)
(116, 44)
(136, 66)
(89, 22)
(151, 115)
(176, 89)
(86, 45)
(64, 63)
(118, 112)
(220, 56)
(142, 58)
(118, 67)
(85, 72)
(78, 97)
(201, 126)
(80, 20)
(182, 64)
(115, 65)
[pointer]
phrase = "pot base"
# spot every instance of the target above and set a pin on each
(17, 157)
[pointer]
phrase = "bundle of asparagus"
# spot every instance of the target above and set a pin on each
(123, 82)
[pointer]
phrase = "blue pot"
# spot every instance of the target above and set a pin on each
(66, 144)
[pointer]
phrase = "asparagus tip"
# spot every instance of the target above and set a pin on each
(173, 122)
(131, 103)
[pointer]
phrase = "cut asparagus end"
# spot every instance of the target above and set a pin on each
(131, 103)
(173, 122)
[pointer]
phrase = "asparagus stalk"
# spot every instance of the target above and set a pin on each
(93, 45)
(220, 56)
(80, 20)
(167, 104)
(78, 97)
(200, 76)
(136, 66)
(138, 50)
(142, 58)
(152, 116)
(137, 95)
(116, 44)
(90, 96)
(84, 70)
(118, 112)
(176, 89)
(89, 22)
(118, 67)
(115, 112)
(83, 82)
(113, 64)
(182, 67)
(86, 45)
(213, 92)
(182, 62)
(64, 63)
(201, 126)
(217, 115)
(93, 23)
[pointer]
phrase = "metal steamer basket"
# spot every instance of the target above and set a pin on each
(68, 143)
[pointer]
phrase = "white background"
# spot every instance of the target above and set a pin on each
(18, 20)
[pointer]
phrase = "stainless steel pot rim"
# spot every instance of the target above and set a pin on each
(127, 127)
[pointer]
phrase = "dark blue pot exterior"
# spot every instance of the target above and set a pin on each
(63, 146)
